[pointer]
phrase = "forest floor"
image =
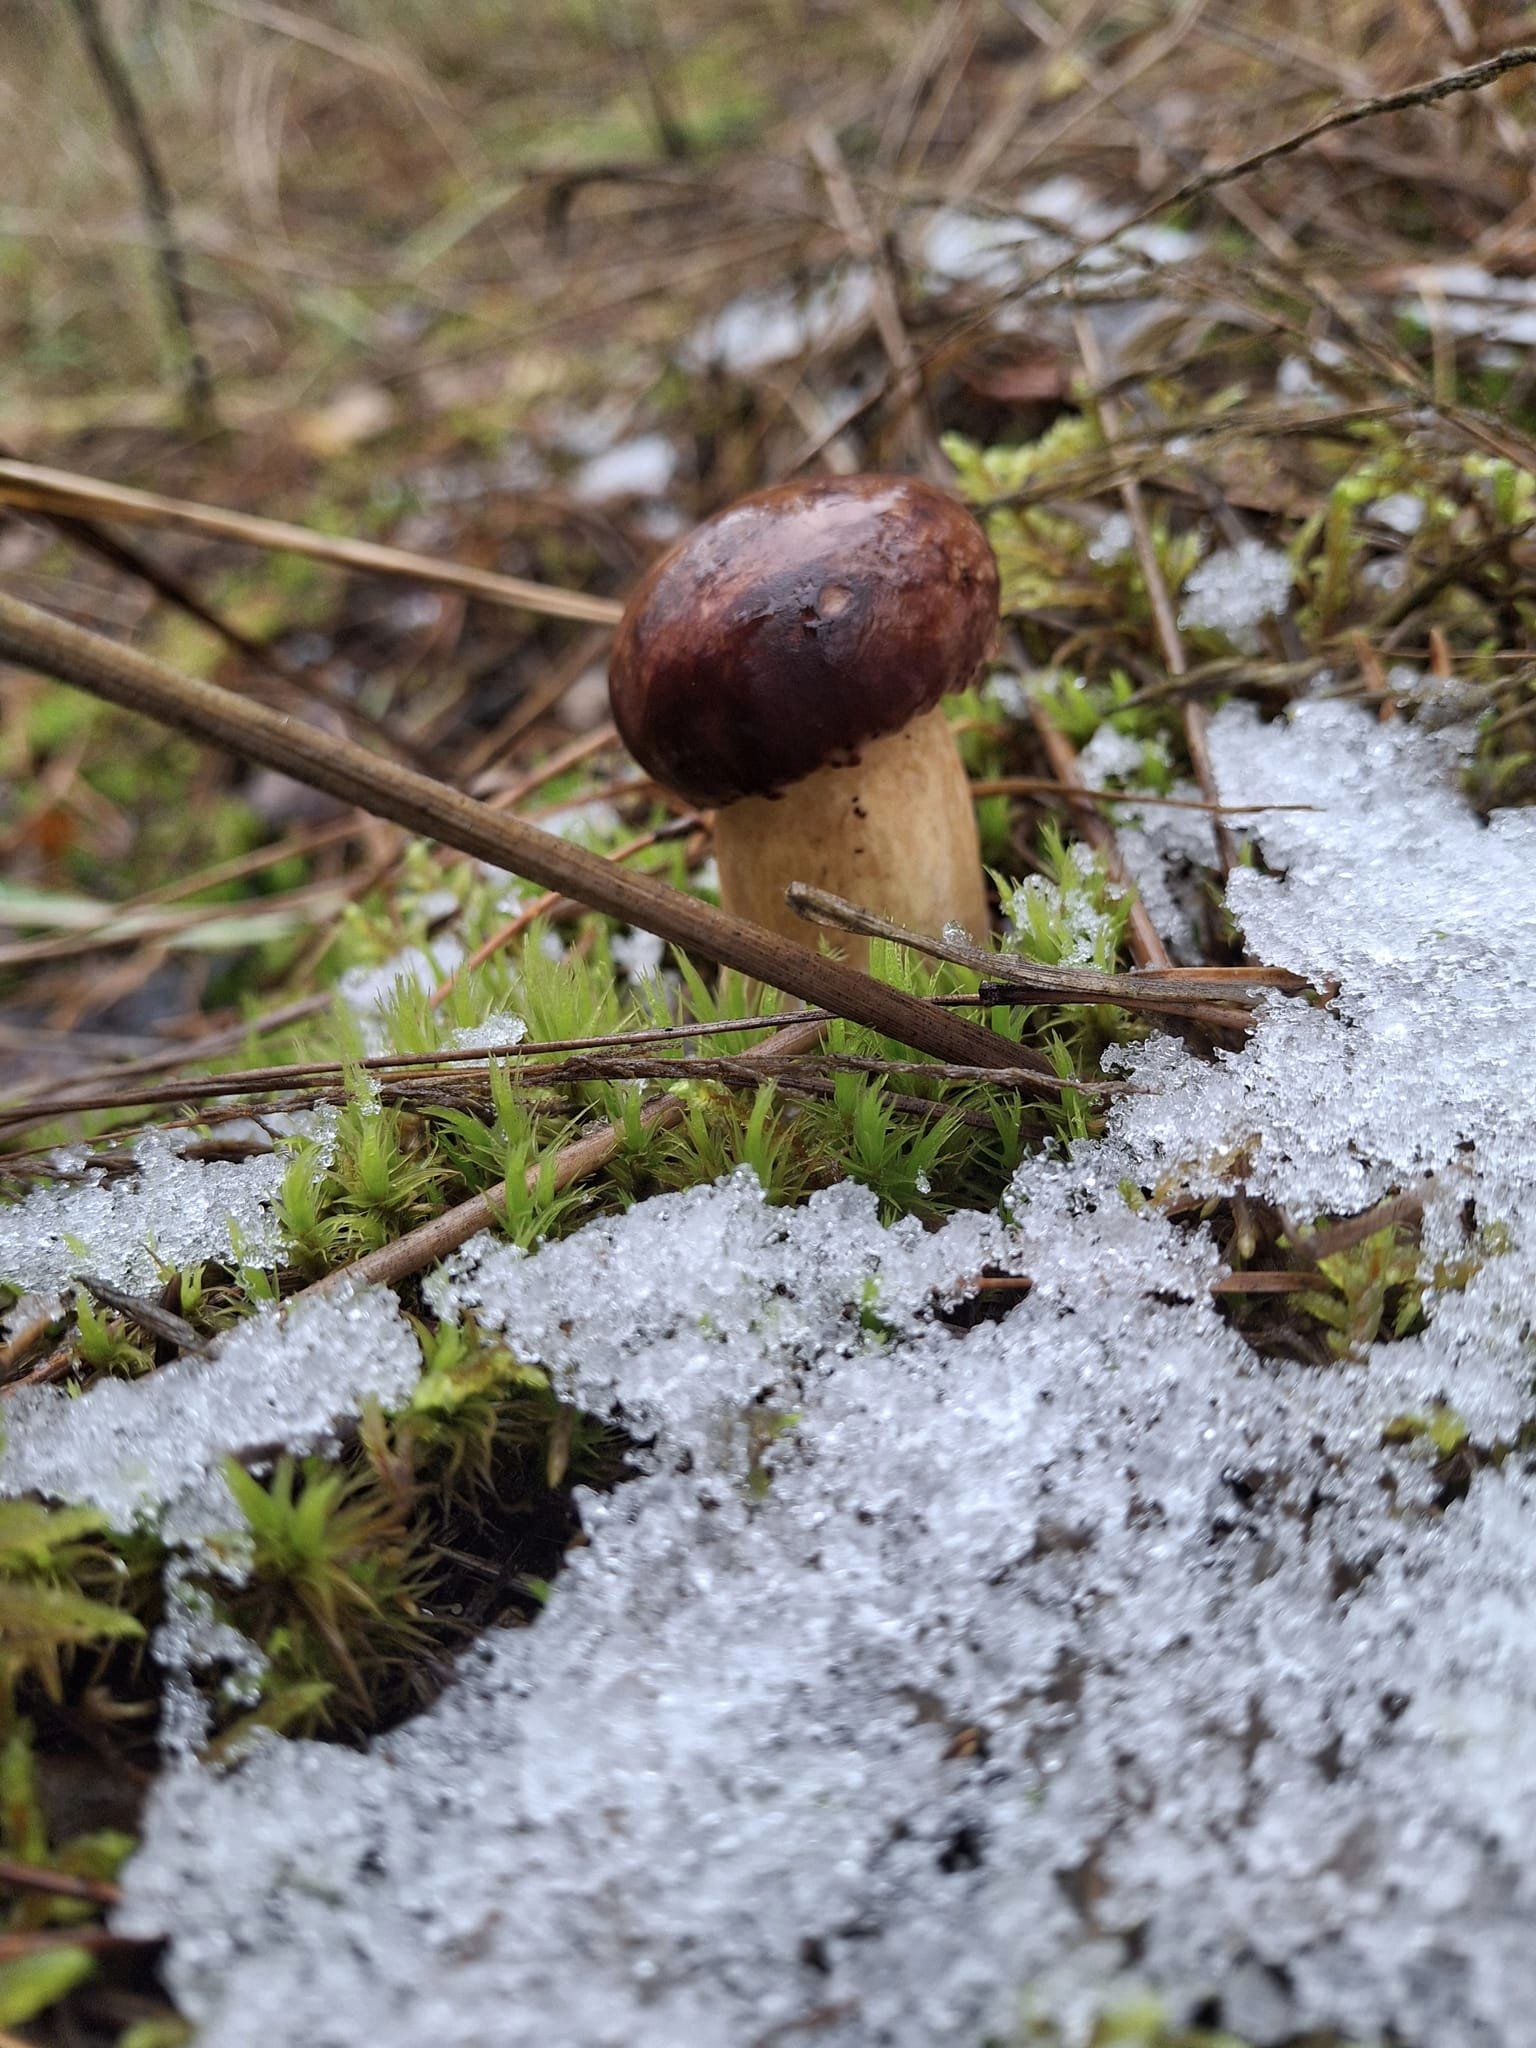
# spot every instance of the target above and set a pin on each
(871, 1702)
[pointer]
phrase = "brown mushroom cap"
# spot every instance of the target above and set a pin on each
(796, 625)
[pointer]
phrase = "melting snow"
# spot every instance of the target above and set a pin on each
(1054, 219)
(370, 991)
(499, 1028)
(637, 954)
(1469, 300)
(1078, 1643)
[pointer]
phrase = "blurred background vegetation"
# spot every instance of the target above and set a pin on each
(536, 286)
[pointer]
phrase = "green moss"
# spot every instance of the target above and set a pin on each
(1142, 2022)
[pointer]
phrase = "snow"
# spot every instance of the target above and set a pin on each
(585, 824)
(641, 468)
(637, 954)
(495, 1030)
(1234, 590)
(1054, 219)
(1078, 1645)
(1400, 510)
(1114, 539)
(761, 328)
(149, 1451)
(116, 1226)
(1466, 299)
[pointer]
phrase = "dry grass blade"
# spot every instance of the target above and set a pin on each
(1164, 619)
(347, 771)
(57, 491)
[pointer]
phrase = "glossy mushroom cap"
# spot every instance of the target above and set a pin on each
(798, 624)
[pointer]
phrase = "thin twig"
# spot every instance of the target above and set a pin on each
(1170, 991)
(885, 305)
(29, 484)
(420, 1066)
(63, 1884)
(1047, 785)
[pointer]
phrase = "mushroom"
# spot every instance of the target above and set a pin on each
(785, 664)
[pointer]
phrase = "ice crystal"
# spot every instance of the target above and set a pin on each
(926, 1668)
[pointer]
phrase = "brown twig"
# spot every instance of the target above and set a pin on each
(62, 1884)
(421, 1066)
(130, 679)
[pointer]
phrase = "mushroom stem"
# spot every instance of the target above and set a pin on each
(894, 832)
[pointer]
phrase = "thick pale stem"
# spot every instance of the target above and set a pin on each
(895, 832)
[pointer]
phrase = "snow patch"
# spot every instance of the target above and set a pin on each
(116, 1225)
(1081, 1642)
(149, 1451)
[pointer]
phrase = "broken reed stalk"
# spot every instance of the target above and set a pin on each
(33, 488)
(345, 770)
(1222, 997)
(573, 1162)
